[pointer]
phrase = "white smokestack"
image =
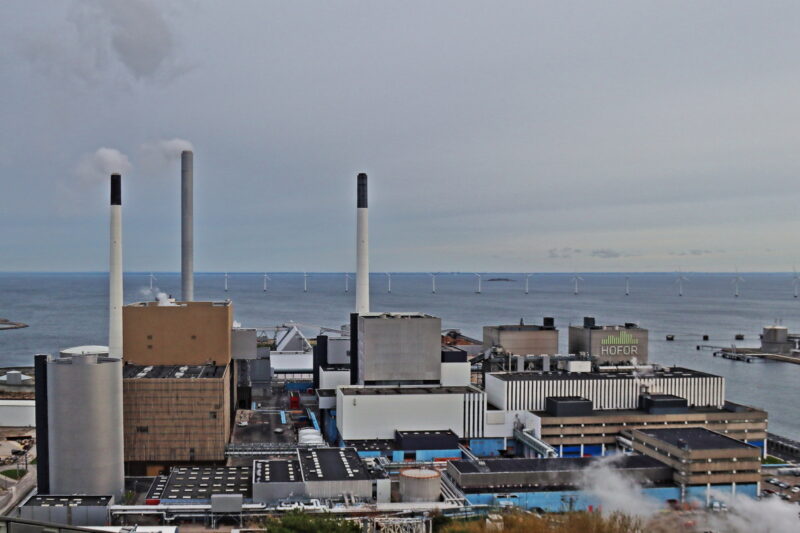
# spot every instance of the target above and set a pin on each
(362, 247)
(187, 226)
(115, 270)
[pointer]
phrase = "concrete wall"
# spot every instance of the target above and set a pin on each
(244, 344)
(274, 491)
(84, 410)
(361, 488)
(397, 348)
(84, 515)
(17, 413)
(378, 416)
(455, 374)
(338, 350)
(520, 340)
(190, 333)
(334, 378)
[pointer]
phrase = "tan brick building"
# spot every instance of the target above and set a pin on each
(174, 415)
(187, 333)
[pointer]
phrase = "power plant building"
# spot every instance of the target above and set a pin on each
(609, 344)
(516, 391)
(523, 339)
(398, 348)
(175, 415)
(699, 456)
(365, 413)
(79, 423)
(186, 333)
(596, 432)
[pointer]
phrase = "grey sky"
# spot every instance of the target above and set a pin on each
(510, 136)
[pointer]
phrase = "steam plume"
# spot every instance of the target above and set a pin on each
(92, 168)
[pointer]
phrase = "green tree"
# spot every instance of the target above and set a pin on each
(300, 522)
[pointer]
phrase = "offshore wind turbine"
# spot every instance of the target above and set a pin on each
(389, 280)
(679, 282)
(265, 281)
(346, 282)
(576, 279)
(527, 277)
(478, 291)
(433, 282)
(226, 282)
(735, 282)
(627, 285)
(152, 278)
(305, 282)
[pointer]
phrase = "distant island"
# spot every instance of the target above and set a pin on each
(7, 324)
(499, 279)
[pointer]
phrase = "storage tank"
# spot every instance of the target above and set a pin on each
(420, 485)
(84, 412)
(310, 436)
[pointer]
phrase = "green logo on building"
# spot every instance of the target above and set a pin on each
(623, 338)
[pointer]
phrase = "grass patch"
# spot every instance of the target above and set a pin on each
(33, 462)
(771, 460)
(13, 474)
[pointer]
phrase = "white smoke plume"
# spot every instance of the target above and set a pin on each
(155, 294)
(162, 152)
(93, 168)
(237, 324)
(616, 492)
(745, 515)
(99, 34)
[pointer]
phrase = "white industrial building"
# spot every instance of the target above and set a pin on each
(364, 413)
(515, 391)
(17, 413)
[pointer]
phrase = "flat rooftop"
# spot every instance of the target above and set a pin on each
(172, 371)
(277, 471)
(377, 445)
(524, 327)
(695, 438)
(225, 303)
(558, 464)
(605, 413)
(200, 482)
(388, 391)
(372, 316)
(674, 372)
(332, 464)
(68, 501)
(427, 433)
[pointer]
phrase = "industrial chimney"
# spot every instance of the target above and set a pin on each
(115, 270)
(187, 226)
(362, 247)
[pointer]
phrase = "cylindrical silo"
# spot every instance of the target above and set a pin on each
(84, 412)
(420, 485)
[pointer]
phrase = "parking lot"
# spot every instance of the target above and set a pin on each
(786, 487)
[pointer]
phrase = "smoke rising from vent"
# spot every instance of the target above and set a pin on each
(155, 294)
(166, 149)
(618, 493)
(93, 168)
